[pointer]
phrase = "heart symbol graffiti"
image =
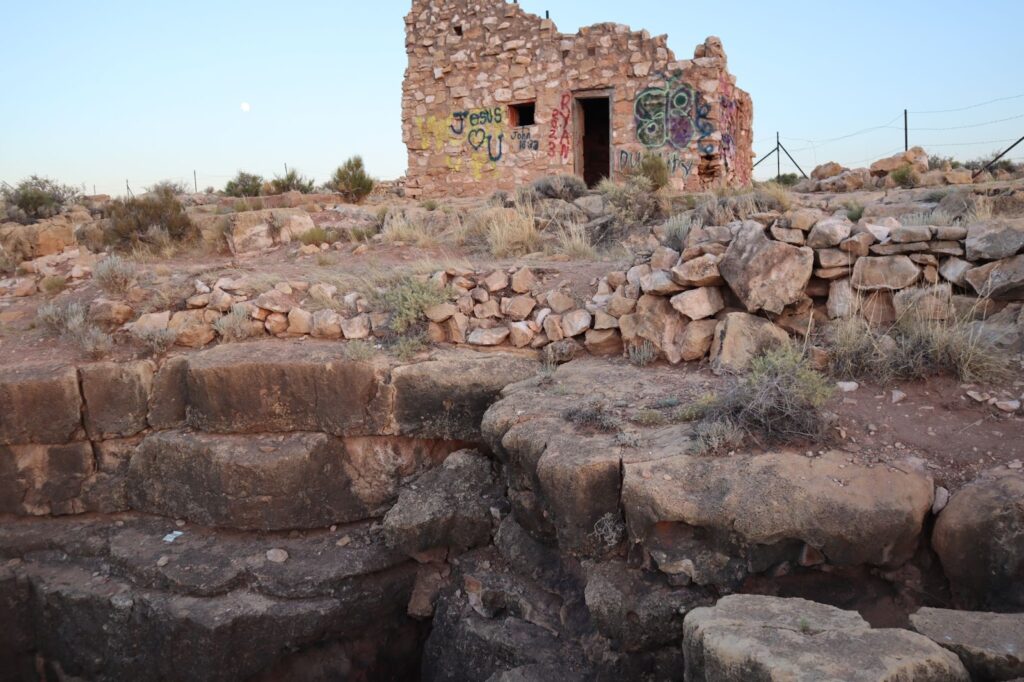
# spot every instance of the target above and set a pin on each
(477, 138)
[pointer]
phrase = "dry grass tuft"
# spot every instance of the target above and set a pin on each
(781, 399)
(115, 274)
(574, 242)
(915, 347)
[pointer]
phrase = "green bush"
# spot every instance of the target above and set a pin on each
(36, 198)
(406, 298)
(152, 219)
(854, 210)
(292, 181)
(655, 169)
(352, 181)
(244, 185)
(788, 179)
(172, 186)
(905, 177)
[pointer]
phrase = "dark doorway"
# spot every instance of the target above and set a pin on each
(595, 125)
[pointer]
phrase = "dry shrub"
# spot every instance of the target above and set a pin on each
(915, 347)
(115, 274)
(642, 354)
(61, 318)
(593, 415)
(319, 235)
(51, 285)
(408, 346)
(407, 297)
(400, 228)
(359, 351)
(36, 198)
(68, 320)
(633, 201)
(655, 169)
(156, 341)
(152, 220)
(781, 399)
(771, 196)
(564, 187)
(678, 229)
(235, 326)
(511, 232)
(574, 242)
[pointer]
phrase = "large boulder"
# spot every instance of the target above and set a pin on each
(271, 482)
(637, 610)
(446, 397)
(239, 610)
(979, 538)
(44, 479)
(765, 274)
(753, 637)
(1003, 279)
(990, 645)
(117, 396)
(994, 239)
(269, 386)
(40, 403)
(876, 273)
(447, 507)
(740, 337)
(713, 520)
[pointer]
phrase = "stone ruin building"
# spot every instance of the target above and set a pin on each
(495, 97)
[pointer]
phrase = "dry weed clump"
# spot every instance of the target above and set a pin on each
(509, 231)
(678, 229)
(565, 187)
(400, 228)
(916, 346)
(406, 298)
(156, 341)
(593, 415)
(633, 201)
(235, 326)
(781, 399)
(68, 320)
(574, 242)
(154, 221)
(115, 274)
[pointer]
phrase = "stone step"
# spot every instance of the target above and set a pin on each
(275, 481)
(126, 597)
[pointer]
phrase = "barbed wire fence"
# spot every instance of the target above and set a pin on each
(1006, 146)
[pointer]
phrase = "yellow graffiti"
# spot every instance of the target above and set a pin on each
(434, 132)
(478, 136)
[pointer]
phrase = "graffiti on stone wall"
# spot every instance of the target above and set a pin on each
(559, 137)
(672, 117)
(627, 161)
(476, 136)
(524, 142)
(729, 118)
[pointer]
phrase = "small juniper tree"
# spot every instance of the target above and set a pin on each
(244, 185)
(352, 181)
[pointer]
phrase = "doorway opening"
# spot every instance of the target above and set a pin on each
(594, 130)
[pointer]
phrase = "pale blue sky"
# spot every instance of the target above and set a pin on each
(101, 92)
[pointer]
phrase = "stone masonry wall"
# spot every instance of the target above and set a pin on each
(469, 60)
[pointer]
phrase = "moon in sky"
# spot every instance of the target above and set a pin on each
(246, 107)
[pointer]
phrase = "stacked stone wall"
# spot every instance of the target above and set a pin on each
(470, 62)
